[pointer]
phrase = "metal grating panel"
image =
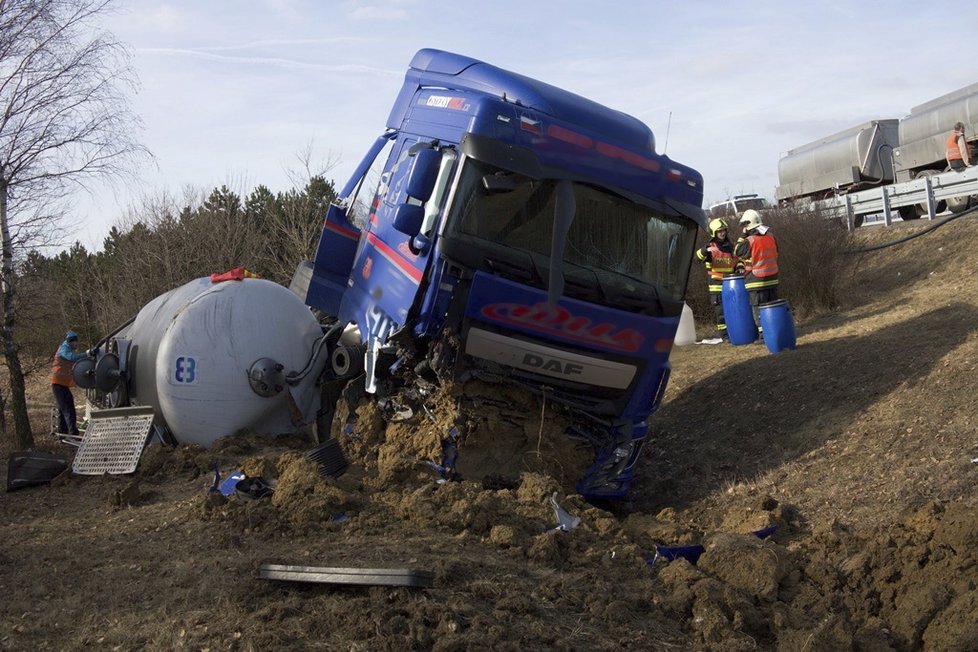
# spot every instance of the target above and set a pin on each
(113, 442)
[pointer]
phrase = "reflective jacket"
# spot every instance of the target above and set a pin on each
(953, 150)
(62, 363)
(759, 253)
(719, 259)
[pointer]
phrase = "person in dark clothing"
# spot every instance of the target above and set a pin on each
(62, 382)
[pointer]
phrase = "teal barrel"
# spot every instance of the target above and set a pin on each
(778, 325)
(741, 328)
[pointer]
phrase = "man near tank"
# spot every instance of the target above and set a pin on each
(958, 156)
(718, 257)
(758, 252)
(62, 382)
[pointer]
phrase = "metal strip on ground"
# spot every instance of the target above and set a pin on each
(114, 441)
(348, 576)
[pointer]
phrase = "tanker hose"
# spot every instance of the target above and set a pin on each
(930, 228)
(332, 334)
(105, 340)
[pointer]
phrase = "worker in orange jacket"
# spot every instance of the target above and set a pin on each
(718, 257)
(758, 251)
(62, 382)
(958, 155)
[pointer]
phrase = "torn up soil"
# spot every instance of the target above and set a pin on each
(857, 446)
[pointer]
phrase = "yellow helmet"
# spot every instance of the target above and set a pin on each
(717, 225)
(751, 219)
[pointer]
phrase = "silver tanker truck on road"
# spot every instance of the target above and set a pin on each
(881, 152)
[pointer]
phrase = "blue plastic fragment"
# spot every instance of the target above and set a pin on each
(227, 487)
(692, 553)
(764, 533)
(689, 553)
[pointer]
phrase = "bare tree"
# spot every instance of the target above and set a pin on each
(64, 121)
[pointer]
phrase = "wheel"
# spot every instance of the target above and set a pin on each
(958, 204)
(908, 213)
(921, 209)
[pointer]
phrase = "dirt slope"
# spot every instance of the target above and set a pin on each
(857, 445)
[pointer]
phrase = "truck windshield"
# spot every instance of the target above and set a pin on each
(618, 252)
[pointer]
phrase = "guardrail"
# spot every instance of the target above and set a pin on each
(922, 191)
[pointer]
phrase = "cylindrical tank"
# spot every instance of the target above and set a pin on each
(862, 153)
(192, 351)
(778, 325)
(924, 133)
(737, 313)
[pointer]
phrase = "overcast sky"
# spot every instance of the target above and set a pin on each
(232, 90)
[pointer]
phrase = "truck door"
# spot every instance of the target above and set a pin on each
(398, 240)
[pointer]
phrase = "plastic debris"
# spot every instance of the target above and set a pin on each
(449, 456)
(692, 553)
(764, 533)
(215, 486)
(565, 522)
(402, 415)
(712, 340)
(227, 487)
(689, 553)
(253, 489)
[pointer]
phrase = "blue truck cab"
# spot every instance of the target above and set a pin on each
(519, 230)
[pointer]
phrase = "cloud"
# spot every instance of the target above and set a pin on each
(207, 54)
(282, 42)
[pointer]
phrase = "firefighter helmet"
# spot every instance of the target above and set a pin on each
(717, 225)
(750, 220)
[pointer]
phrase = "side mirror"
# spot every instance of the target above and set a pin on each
(424, 172)
(408, 219)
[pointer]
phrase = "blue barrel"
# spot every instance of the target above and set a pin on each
(741, 328)
(778, 325)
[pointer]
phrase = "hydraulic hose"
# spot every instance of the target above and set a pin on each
(930, 228)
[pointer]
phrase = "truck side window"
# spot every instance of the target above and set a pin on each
(434, 205)
(395, 192)
(361, 202)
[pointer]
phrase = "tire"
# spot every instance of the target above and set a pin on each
(908, 213)
(921, 209)
(958, 204)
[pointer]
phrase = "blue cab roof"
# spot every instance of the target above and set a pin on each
(633, 141)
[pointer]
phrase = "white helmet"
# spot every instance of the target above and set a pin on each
(751, 219)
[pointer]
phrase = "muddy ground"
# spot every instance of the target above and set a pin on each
(858, 446)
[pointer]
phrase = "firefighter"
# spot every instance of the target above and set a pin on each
(718, 257)
(958, 156)
(62, 382)
(758, 252)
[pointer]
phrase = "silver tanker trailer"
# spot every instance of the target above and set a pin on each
(881, 152)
